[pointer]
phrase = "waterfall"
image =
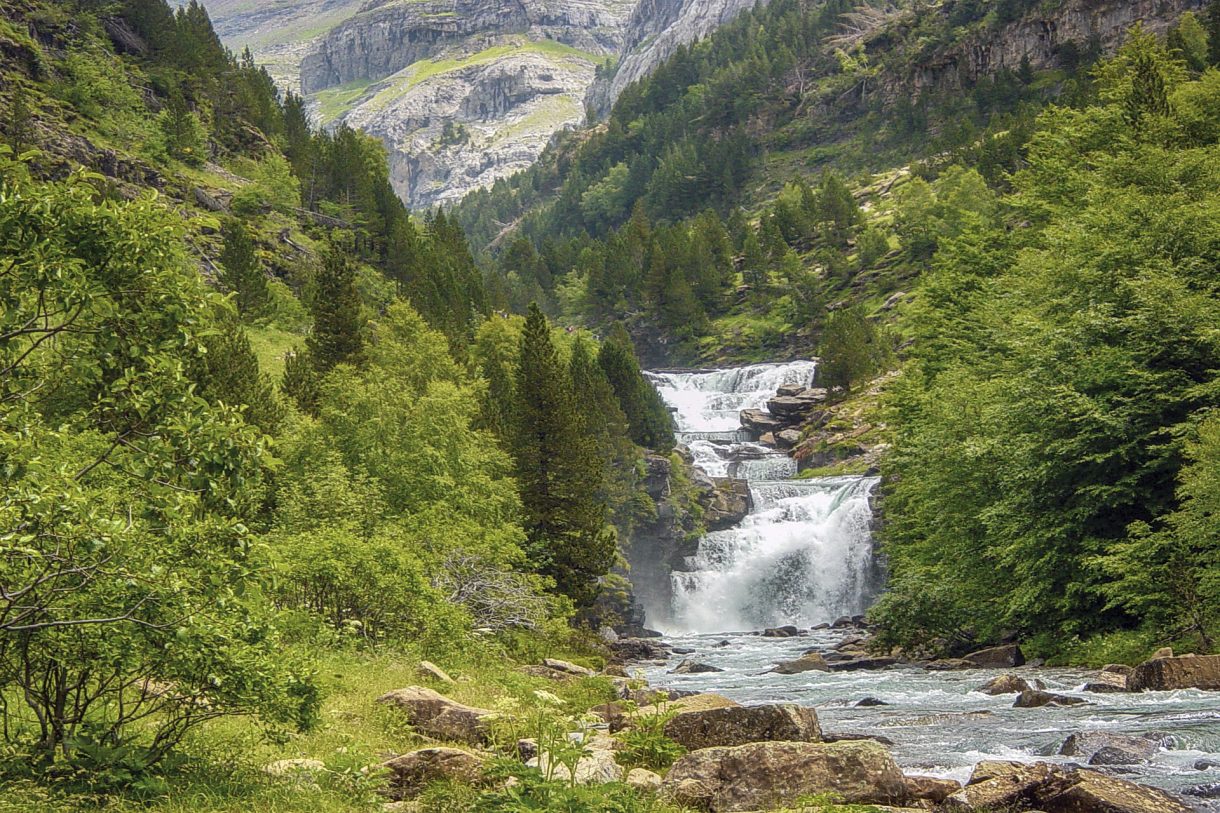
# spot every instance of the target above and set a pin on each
(804, 554)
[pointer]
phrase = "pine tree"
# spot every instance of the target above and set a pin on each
(300, 381)
(241, 272)
(232, 376)
(20, 127)
(648, 418)
(336, 336)
(559, 472)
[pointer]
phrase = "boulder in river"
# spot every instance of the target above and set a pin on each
(1006, 684)
(809, 662)
(738, 725)
(787, 631)
(930, 788)
(627, 650)
(760, 422)
(948, 665)
(434, 715)
(410, 773)
(997, 657)
(1182, 672)
(1105, 748)
(691, 667)
(1036, 698)
(764, 775)
(858, 664)
(996, 785)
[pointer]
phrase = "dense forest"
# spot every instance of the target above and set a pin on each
(187, 536)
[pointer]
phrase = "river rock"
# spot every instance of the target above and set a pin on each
(728, 504)
(1183, 672)
(857, 664)
(869, 702)
(597, 766)
(738, 725)
(1006, 684)
(628, 650)
(793, 406)
(996, 785)
(410, 773)
(1118, 669)
(1036, 698)
(643, 779)
(931, 788)
(569, 668)
(701, 702)
(787, 631)
(435, 715)
(787, 438)
(789, 389)
(1107, 682)
(690, 667)
(997, 657)
(809, 662)
(1119, 749)
(764, 775)
(948, 665)
(760, 422)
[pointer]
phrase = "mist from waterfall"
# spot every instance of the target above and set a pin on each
(804, 555)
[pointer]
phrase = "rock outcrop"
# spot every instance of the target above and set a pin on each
(1183, 672)
(462, 92)
(653, 33)
(996, 785)
(763, 775)
(738, 725)
(435, 715)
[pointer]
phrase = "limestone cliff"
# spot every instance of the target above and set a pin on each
(462, 92)
(654, 32)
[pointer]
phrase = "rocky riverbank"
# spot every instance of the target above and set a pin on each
(761, 757)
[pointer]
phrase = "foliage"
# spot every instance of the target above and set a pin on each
(126, 491)
(1040, 428)
(644, 744)
(241, 271)
(273, 185)
(850, 349)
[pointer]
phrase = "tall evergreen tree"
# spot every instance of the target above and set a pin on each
(1213, 32)
(242, 272)
(559, 472)
(232, 376)
(648, 418)
(337, 323)
(301, 381)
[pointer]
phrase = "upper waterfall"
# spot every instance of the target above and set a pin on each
(804, 554)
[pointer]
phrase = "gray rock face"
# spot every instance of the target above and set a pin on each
(461, 92)
(654, 32)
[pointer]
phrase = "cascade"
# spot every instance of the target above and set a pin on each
(804, 554)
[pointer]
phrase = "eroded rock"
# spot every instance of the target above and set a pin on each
(1182, 672)
(435, 715)
(410, 773)
(738, 725)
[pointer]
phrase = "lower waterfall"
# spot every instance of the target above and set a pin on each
(804, 554)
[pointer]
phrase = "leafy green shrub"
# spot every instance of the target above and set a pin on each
(272, 184)
(645, 744)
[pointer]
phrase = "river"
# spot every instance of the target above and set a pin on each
(805, 556)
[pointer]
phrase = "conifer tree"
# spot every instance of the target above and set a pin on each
(336, 336)
(20, 126)
(301, 381)
(242, 273)
(648, 419)
(559, 472)
(232, 375)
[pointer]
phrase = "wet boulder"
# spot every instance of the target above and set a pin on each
(1104, 748)
(858, 664)
(930, 788)
(629, 650)
(996, 785)
(1006, 684)
(869, 702)
(1107, 682)
(727, 504)
(760, 422)
(764, 775)
(948, 665)
(1036, 698)
(786, 631)
(692, 667)
(1182, 672)
(738, 725)
(434, 715)
(410, 773)
(809, 662)
(997, 657)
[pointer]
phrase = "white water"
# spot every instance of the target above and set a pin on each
(804, 554)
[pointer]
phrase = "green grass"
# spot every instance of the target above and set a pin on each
(270, 344)
(334, 102)
(225, 759)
